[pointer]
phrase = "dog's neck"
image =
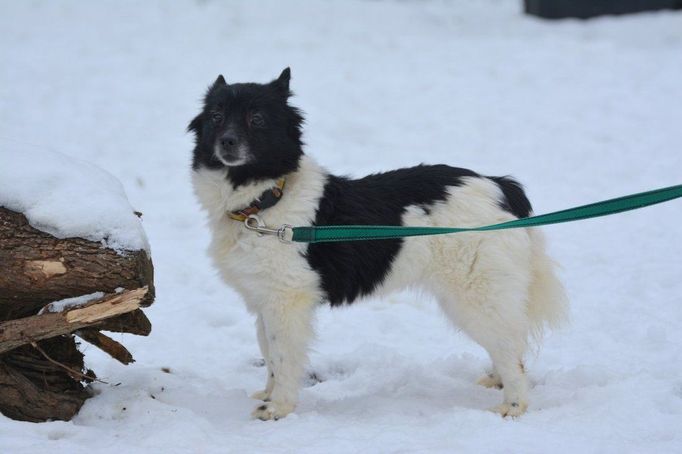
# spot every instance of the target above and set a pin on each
(220, 197)
(267, 199)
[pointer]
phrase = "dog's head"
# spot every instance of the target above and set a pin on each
(248, 129)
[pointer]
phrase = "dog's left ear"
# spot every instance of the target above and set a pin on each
(219, 82)
(196, 125)
(282, 82)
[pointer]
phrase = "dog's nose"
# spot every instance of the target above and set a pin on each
(228, 141)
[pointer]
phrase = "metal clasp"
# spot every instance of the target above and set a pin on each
(255, 224)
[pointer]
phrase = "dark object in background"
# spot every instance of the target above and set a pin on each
(584, 9)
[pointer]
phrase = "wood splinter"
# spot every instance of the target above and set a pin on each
(14, 333)
(106, 344)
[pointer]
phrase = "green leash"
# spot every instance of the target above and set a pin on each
(335, 233)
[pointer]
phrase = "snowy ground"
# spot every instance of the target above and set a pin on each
(579, 111)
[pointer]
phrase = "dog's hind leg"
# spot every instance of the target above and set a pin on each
(508, 361)
(506, 344)
(264, 349)
(288, 329)
(487, 297)
(491, 380)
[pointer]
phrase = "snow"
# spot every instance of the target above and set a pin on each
(579, 111)
(67, 303)
(68, 197)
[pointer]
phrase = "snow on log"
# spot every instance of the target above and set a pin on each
(74, 260)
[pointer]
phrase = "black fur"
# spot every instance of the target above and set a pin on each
(515, 201)
(352, 269)
(275, 147)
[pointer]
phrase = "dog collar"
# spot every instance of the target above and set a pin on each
(267, 199)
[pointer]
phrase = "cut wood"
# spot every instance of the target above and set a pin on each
(106, 344)
(41, 369)
(134, 322)
(38, 268)
(68, 238)
(35, 389)
(14, 333)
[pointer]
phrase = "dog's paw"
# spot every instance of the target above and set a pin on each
(270, 410)
(512, 409)
(490, 381)
(261, 395)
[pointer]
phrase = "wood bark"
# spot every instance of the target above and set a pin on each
(106, 344)
(34, 389)
(41, 370)
(38, 268)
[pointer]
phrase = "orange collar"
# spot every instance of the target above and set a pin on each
(268, 198)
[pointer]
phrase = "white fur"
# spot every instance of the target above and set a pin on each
(242, 155)
(498, 287)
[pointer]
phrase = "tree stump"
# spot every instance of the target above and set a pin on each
(41, 370)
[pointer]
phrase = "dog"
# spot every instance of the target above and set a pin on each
(500, 288)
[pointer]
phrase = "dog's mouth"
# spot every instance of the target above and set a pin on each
(232, 158)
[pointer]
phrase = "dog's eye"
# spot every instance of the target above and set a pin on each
(257, 120)
(216, 117)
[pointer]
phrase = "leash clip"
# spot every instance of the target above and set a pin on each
(254, 223)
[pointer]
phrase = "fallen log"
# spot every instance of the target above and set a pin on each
(69, 240)
(38, 268)
(42, 373)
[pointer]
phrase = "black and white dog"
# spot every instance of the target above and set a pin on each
(498, 287)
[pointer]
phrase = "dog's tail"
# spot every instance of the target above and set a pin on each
(547, 300)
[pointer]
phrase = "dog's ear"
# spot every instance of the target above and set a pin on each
(219, 82)
(282, 82)
(196, 125)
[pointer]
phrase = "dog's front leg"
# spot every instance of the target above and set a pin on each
(288, 328)
(265, 351)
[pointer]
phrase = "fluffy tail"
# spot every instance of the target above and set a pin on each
(547, 302)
